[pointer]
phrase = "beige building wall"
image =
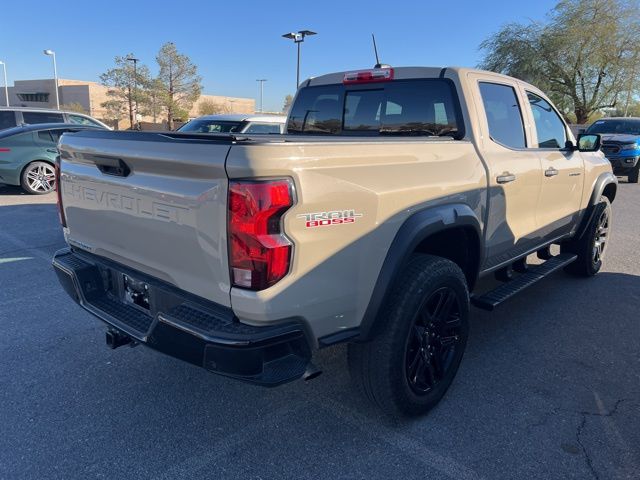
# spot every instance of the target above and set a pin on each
(91, 95)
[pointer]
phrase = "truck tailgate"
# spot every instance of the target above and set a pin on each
(151, 201)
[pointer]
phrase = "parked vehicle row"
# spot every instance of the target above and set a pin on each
(369, 222)
(15, 116)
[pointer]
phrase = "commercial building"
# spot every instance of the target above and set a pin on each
(91, 96)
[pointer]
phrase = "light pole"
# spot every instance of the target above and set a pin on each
(135, 85)
(298, 38)
(261, 80)
(52, 54)
(6, 88)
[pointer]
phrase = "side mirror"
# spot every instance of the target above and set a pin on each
(588, 142)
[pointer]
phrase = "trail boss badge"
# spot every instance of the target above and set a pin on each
(326, 219)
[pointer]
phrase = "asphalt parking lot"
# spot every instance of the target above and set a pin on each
(549, 387)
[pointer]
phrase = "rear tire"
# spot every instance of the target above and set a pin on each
(635, 173)
(409, 365)
(592, 247)
(38, 178)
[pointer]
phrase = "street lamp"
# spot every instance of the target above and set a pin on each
(298, 38)
(52, 54)
(6, 88)
(261, 80)
(135, 86)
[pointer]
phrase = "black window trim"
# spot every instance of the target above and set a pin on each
(553, 107)
(515, 89)
(457, 110)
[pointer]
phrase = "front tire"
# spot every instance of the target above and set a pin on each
(38, 178)
(635, 173)
(409, 365)
(591, 248)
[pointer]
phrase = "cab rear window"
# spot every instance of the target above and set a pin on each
(426, 107)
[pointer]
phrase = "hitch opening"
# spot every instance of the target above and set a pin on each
(116, 339)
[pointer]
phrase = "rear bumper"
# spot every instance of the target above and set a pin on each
(184, 326)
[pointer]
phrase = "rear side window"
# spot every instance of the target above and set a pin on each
(210, 126)
(504, 116)
(82, 120)
(403, 107)
(45, 136)
(263, 128)
(549, 127)
(7, 119)
(51, 136)
(42, 117)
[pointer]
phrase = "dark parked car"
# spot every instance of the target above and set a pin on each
(15, 116)
(28, 153)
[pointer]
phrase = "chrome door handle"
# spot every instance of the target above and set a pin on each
(551, 172)
(506, 177)
(52, 150)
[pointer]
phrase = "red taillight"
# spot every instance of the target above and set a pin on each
(5, 149)
(259, 253)
(63, 220)
(369, 76)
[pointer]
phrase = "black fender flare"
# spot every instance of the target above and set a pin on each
(604, 179)
(600, 184)
(411, 233)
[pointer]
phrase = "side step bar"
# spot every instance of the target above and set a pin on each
(493, 298)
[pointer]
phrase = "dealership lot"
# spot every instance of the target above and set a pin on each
(549, 388)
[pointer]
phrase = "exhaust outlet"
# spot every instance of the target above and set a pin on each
(116, 339)
(311, 372)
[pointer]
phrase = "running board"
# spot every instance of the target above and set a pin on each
(493, 298)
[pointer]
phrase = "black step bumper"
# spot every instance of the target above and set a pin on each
(184, 326)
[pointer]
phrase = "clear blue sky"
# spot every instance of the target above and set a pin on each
(234, 43)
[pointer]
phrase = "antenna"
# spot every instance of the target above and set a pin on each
(375, 50)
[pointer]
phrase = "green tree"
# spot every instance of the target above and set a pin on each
(586, 56)
(287, 103)
(179, 83)
(154, 94)
(128, 86)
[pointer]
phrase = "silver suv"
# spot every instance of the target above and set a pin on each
(13, 116)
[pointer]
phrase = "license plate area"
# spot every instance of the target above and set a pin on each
(135, 292)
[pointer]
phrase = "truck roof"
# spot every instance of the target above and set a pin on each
(407, 73)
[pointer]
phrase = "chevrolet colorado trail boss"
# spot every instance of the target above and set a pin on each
(369, 222)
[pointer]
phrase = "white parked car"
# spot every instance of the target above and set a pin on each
(236, 123)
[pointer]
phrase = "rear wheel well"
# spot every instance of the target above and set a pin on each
(610, 191)
(461, 245)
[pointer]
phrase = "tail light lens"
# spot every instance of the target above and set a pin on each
(63, 220)
(259, 252)
(368, 76)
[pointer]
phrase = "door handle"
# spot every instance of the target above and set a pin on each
(52, 150)
(551, 172)
(506, 177)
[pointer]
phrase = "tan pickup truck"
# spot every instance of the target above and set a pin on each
(369, 222)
